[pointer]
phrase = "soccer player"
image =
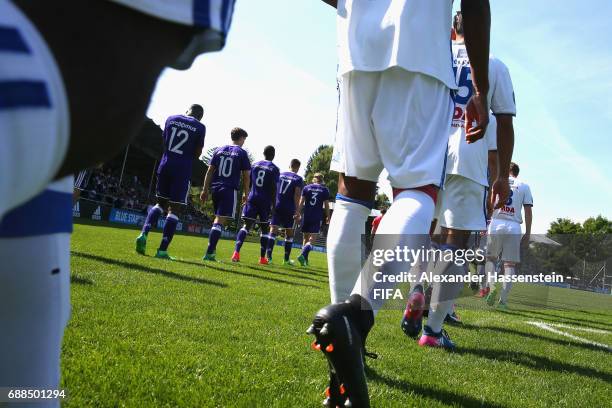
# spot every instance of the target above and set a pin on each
(505, 234)
(183, 143)
(315, 199)
(228, 165)
(395, 108)
(461, 208)
(67, 106)
(55, 85)
(35, 290)
(376, 221)
(288, 193)
(264, 177)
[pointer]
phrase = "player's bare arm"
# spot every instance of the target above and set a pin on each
(528, 219)
(505, 145)
(333, 3)
(246, 185)
(105, 115)
(477, 30)
(492, 168)
(207, 180)
(326, 209)
(299, 208)
(198, 152)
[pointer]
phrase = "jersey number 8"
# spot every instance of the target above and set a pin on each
(259, 180)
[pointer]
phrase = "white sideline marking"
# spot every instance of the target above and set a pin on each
(586, 329)
(547, 326)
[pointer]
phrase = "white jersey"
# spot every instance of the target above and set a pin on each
(470, 160)
(520, 195)
(213, 14)
(34, 117)
(413, 35)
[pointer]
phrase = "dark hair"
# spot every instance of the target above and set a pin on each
(514, 169)
(383, 211)
(269, 152)
(458, 23)
(238, 133)
(195, 110)
(295, 163)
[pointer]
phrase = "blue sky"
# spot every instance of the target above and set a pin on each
(276, 79)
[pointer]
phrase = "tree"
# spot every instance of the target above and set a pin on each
(382, 201)
(319, 162)
(589, 242)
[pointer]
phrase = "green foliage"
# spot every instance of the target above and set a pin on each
(382, 201)
(319, 162)
(588, 242)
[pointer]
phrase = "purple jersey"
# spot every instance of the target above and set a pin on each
(314, 196)
(288, 182)
(264, 177)
(230, 161)
(183, 138)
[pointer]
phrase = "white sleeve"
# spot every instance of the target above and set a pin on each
(527, 199)
(502, 99)
(491, 134)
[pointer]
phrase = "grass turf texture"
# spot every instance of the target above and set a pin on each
(149, 332)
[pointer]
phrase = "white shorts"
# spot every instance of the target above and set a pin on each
(504, 238)
(396, 120)
(462, 204)
(34, 122)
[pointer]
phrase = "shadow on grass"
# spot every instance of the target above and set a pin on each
(532, 336)
(79, 280)
(211, 265)
(147, 269)
(555, 319)
(444, 396)
(276, 272)
(535, 362)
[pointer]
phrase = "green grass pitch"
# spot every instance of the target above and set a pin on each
(151, 333)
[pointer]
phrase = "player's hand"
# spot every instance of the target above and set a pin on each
(500, 191)
(244, 199)
(476, 118)
(297, 217)
(204, 196)
(525, 240)
(327, 220)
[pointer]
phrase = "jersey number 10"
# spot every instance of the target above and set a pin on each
(225, 167)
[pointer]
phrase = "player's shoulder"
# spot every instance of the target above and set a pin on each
(496, 65)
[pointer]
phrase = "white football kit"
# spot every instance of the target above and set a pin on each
(35, 289)
(462, 202)
(395, 79)
(504, 233)
(34, 113)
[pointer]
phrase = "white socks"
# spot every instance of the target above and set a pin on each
(444, 294)
(490, 274)
(344, 247)
(409, 217)
(509, 271)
